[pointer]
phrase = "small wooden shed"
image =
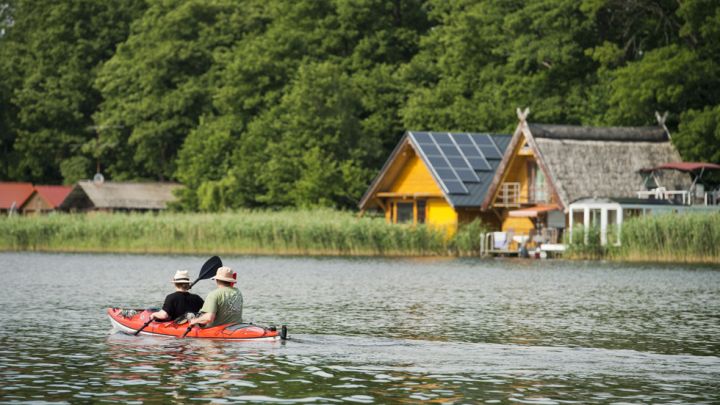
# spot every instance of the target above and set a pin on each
(45, 199)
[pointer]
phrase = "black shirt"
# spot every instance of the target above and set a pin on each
(181, 302)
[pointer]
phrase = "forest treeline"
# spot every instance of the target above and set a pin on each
(267, 103)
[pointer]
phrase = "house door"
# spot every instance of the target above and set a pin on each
(537, 183)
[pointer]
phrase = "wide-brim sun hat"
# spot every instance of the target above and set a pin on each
(225, 273)
(181, 276)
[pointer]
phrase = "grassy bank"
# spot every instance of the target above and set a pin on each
(687, 238)
(314, 232)
(693, 238)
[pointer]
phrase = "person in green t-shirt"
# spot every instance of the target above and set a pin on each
(224, 304)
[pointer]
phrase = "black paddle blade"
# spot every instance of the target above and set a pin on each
(208, 270)
(189, 328)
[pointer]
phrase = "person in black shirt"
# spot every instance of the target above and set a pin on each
(180, 302)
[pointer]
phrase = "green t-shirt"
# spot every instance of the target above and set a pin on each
(226, 303)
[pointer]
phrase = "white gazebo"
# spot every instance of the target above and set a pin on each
(610, 212)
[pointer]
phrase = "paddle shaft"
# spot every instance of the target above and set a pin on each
(137, 332)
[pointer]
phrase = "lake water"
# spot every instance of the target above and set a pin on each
(368, 331)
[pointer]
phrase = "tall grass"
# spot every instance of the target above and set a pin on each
(670, 238)
(469, 238)
(689, 238)
(582, 247)
(320, 231)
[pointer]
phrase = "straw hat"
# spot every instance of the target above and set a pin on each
(225, 273)
(181, 276)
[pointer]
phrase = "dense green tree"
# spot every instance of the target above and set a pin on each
(484, 58)
(249, 78)
(159, 83)
(698, 135)
(310, 138)
(7, 81)
(49, 53)
(298, 102)
(367, 40)
(673, 69)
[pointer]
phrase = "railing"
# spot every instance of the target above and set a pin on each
(509, 195)
(684, 197)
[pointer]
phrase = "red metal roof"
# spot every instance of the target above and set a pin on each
(16, 193)
(684, 167)
(54, 195)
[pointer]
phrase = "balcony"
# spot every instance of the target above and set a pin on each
(510, 195)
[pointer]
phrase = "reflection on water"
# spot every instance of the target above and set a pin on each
(368, 330)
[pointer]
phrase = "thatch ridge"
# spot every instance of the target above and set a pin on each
(582, 133)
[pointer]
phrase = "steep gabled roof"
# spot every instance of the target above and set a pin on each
(119, 195)
(14, 193)
(54, 195)
(584, 161)
(462, 164)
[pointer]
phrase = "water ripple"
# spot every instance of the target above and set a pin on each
(369, 331)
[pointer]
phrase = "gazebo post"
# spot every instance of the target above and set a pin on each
(603, 225)
(586, 223)
(619, 221)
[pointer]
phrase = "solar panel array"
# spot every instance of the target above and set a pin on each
(455, 158)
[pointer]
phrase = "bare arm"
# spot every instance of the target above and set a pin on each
(161, 314)
(203, 319)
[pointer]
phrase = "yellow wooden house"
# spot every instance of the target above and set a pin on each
(437, 178)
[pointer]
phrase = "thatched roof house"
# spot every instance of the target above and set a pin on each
(119, 196)
(579, 162)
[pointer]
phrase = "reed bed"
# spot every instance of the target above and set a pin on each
(586, 248)
(295, 232)
(690, 238)
(674, 238)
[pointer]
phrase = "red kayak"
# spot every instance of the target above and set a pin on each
(130, 320)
